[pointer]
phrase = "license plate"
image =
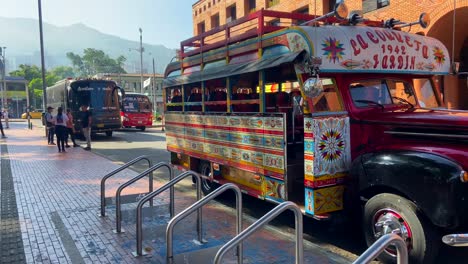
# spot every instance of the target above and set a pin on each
(139, 122)
(100, 125)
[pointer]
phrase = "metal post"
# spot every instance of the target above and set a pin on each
(28, 106)
(110, 174)
(118, 211)
(2, 63)
(154, 87)
(141, 60)
(44, 85)
(170, 184)
(380, 245)
(200, 204)
(263, 221)
(4, 88)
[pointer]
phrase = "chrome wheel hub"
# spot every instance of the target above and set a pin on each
(388, 221)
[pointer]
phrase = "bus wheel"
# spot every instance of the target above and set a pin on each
(142, 128)
(388, 213)
(207, 185)
(109, 133)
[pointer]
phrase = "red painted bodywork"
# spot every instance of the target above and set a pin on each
(136, 119)
(370, 124)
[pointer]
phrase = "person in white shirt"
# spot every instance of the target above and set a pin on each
(5, 116)
(61, 131)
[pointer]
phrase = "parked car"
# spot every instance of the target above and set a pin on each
(36, 114)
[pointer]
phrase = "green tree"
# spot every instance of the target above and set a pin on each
(33, 75)
(62, 72)
(29, 72)
(96, 61)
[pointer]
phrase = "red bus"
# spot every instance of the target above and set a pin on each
(136, 111)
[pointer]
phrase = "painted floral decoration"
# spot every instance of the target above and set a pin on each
(331, 145)
(333, 49)
(439, 55)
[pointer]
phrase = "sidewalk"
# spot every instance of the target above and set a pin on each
(50, 205)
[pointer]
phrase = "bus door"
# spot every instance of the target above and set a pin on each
(327, 155)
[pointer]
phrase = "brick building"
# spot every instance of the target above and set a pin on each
(449, 20)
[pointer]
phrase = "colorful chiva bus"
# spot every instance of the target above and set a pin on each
(101, 96)
(332, 116)
(136, 111)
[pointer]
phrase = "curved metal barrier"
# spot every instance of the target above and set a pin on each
(118, 212)
(261, 222)
(380, 245)
(149, 196)
(199, 204)
(456, 240)
(121, 168)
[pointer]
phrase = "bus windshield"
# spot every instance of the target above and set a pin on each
(136, 104)
(99, 95)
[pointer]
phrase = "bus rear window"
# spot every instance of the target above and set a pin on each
(136, 104)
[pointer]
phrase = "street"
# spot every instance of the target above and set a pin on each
(335, 236)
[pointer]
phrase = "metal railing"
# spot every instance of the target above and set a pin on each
(170, 184)
(118, 212)
(199, 204)
(121, 168)
(261, 222)
(380, 245)
(456, 240)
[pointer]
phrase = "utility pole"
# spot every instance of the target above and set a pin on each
(141, 60)
(154, 88)
(3, 73)
(44, 85)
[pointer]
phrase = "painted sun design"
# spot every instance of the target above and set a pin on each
(331, 145)
(333, 49)
(439, 55)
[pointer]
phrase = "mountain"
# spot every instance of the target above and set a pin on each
(21, 37)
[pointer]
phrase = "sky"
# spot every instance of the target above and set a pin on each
(165, 22)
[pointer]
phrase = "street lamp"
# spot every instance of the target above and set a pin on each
(140, 50)
(44, 84)
(141, 60)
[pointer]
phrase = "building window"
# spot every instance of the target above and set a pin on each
(199, 11)
(204, 8)
(270, 3)
(371, 5)
(214, 2)
(201, 27)
(215, 21)
(209, 4)
(250, 6)
(231, 13)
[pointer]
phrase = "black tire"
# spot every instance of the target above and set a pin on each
(109, 133)
(401, 213)
(142, 128)
(207, 186)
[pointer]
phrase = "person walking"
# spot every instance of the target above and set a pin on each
(49, 118)
(6, 117)
(1, 126)
(86, 121)
(70, 129)
(61, 131)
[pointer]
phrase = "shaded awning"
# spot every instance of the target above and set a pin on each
(231, 70)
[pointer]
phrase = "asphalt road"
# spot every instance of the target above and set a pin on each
(342, 238)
